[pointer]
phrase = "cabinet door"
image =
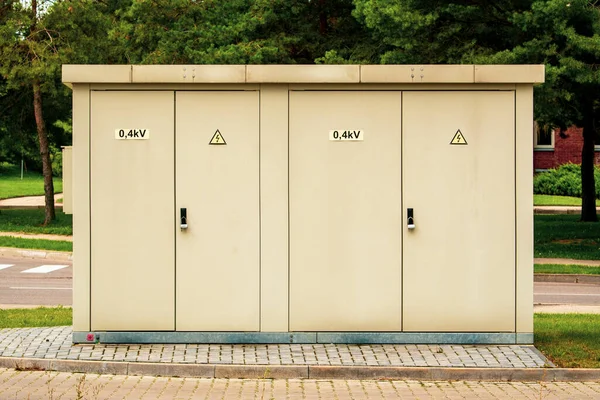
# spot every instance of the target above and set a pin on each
(345, 232)
(459, 260)
(218, 271)
(132, 202)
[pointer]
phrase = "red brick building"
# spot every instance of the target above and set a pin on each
(553, 148)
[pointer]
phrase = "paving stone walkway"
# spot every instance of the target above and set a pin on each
(558, 209)
(55, 343)
(66, 238)
(588, 263)
(28, 202)
(59, 385)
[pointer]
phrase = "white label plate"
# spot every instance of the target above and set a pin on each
(338, 135)
(132, 134)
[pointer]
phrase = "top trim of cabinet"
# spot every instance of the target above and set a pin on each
(302, 74)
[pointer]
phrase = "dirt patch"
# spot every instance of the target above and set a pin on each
(575, 241)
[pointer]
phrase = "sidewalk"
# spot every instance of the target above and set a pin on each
(44, 236)
(29, 202)
(566, 261)
(47, 385)
(56, 343)
(13, 252)
(51, 349)
(559, 210)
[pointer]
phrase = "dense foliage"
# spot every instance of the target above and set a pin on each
(562, 34)
(65, 32)
(563, 181)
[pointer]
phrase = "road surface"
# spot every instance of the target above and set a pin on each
(567, 293)
(33, 282)
(51, 284)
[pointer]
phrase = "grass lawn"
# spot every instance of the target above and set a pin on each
(569, 340)
(32, 184)
(33, 317)
(565, 269)
(563, 236)
(547, 200)
(39, 244)
(29, 221)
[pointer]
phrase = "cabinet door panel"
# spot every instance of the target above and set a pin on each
(459, 261)
(345, 211)
(218, 267)
(132, 202)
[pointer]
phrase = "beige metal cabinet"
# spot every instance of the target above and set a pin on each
(345, 211)
(132, 207)
(67, 178)
(296, 182)
(218, 254)
(459, 260)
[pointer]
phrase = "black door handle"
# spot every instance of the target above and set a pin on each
(410, 218)
(183, 218)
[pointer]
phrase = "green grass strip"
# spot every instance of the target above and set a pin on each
(30, 221)
(563, 236)
(566, 269)
(548, 200)
(38, 244)
(569, 340)
(36, 317)
(32, 184)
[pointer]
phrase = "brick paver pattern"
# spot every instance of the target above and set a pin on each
(55, 343)
(59, 385)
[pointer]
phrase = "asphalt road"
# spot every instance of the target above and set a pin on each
(566, 293)
(55, 287)
(38, 287)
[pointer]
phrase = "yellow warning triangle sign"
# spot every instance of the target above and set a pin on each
(217, 138)
(458, 138)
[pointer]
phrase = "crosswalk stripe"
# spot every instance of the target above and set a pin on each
(4, 266)
(44, 269)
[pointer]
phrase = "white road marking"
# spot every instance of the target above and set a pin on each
(44, 269)
(4, 266)
(42, 288)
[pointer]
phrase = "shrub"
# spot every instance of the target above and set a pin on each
(563, 181)
(56, 160)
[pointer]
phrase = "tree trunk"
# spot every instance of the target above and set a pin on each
(322, 18)
(588, 185)
(49, 214)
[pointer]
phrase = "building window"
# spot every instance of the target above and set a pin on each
(543, 136)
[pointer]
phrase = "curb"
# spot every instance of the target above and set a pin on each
(42, 236)
(565, 210)
(36, 254)
(306, 371)
(559, 209)
(567, 278)
(57, 206)
(567, 261)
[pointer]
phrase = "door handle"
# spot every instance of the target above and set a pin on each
(183, 218)
(410, 218)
